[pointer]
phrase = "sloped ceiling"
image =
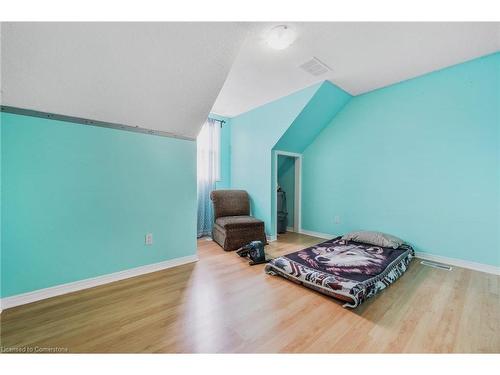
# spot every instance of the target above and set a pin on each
(363, 56)
(316, 115)
(160, 76)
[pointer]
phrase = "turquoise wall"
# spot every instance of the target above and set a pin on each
(78, 201)
(319, 111)
(253, 135)
(286, 179)
(287, 124)
(225, 153)
(419, 159)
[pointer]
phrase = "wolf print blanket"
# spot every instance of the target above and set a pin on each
(348, 270)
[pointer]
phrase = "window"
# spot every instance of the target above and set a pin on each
(208, 149)
(208, 170)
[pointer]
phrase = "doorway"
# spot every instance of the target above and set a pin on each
(288, 202)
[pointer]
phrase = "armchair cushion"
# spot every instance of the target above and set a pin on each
(233, 222)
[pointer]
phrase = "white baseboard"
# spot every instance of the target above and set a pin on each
(325, 236)
(270, 238)
(37, 295)
(459, 263)
(435, 258)
(290, 229)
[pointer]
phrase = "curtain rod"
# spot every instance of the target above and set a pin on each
(216, 119)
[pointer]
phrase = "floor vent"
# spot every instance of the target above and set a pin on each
(315, 67)
(436, 265)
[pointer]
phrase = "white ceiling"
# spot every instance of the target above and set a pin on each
(363, 56)
(161, 76)
(166, 76)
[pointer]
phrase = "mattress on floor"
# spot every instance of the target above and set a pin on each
(347, 270)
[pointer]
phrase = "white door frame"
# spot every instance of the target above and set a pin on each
(297, 220)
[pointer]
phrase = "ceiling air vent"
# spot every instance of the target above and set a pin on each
(315, 67)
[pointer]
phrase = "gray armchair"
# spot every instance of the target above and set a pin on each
(233, 226)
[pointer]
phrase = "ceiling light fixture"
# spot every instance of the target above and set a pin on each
(280, 37)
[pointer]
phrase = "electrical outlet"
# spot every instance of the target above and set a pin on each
(336, 219)
(148, 240)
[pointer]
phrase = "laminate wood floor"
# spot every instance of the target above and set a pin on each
(220, 304)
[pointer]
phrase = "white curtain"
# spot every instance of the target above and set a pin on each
(208, 165)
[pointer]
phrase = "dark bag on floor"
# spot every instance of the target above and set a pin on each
(255, 251)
